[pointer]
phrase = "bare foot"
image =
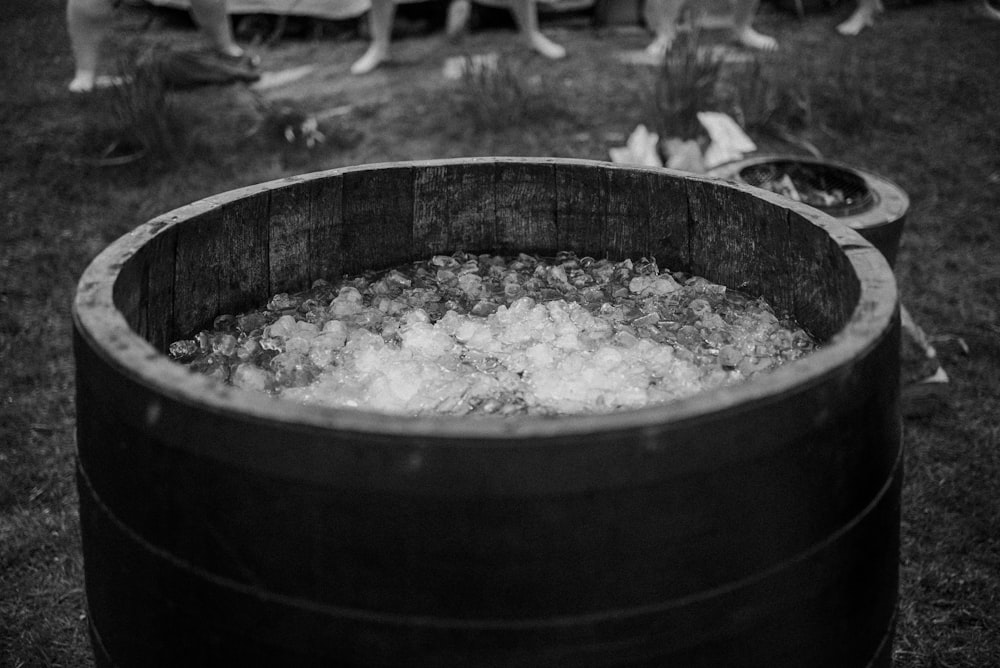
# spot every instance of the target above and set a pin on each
(546, 47)
(752, 39)
(232, 51)
(85, 82)
(863, 17)
(658, 47)
(858, 21)
(374, 56)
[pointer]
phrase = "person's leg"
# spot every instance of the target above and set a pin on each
(526, 15)
(863, 17)
(380, 18)
(88, 22)
(661, 17)
(992, 9)
(459, 12)
(212, 18)
(744, 12)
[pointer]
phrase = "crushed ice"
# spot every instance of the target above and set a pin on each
(471, 334)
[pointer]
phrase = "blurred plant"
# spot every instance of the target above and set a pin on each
(790, 96)
(141, 115)
(848, 100)
(785, 95)
(687, 82)
(769, 94)
(493, 95)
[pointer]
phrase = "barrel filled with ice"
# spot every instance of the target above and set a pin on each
(755, 524)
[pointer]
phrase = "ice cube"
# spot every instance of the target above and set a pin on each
(470, 284)
(416, 315)
(251, 377)
(324, 347)
(281, 301)
(540, 355)
(281, 328)
(426, 339)
(347, 302)
(183, 350)
(297, 345)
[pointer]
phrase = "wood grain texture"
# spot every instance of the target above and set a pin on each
(756, 526)
(221, 262)
(289, 237)
(740, 241)
(455, 208)
(305, 233)
(145, 289)
(827, 291)
(582, 196)
(525, 207)
(326, 229)
(377, 218)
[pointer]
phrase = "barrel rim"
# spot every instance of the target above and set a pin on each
(105, 330)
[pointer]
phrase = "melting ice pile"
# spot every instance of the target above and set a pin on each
(485, 335)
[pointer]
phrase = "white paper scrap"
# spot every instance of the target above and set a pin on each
(728, 141)
(641, 148)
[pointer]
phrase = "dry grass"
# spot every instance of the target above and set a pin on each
(924, 117)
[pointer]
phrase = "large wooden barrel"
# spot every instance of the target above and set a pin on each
(755, 525)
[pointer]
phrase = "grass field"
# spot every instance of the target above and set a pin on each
(914, 99)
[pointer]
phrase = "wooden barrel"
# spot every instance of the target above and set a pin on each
(878, 206)
(755, 525)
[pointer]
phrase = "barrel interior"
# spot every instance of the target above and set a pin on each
(233, 255)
